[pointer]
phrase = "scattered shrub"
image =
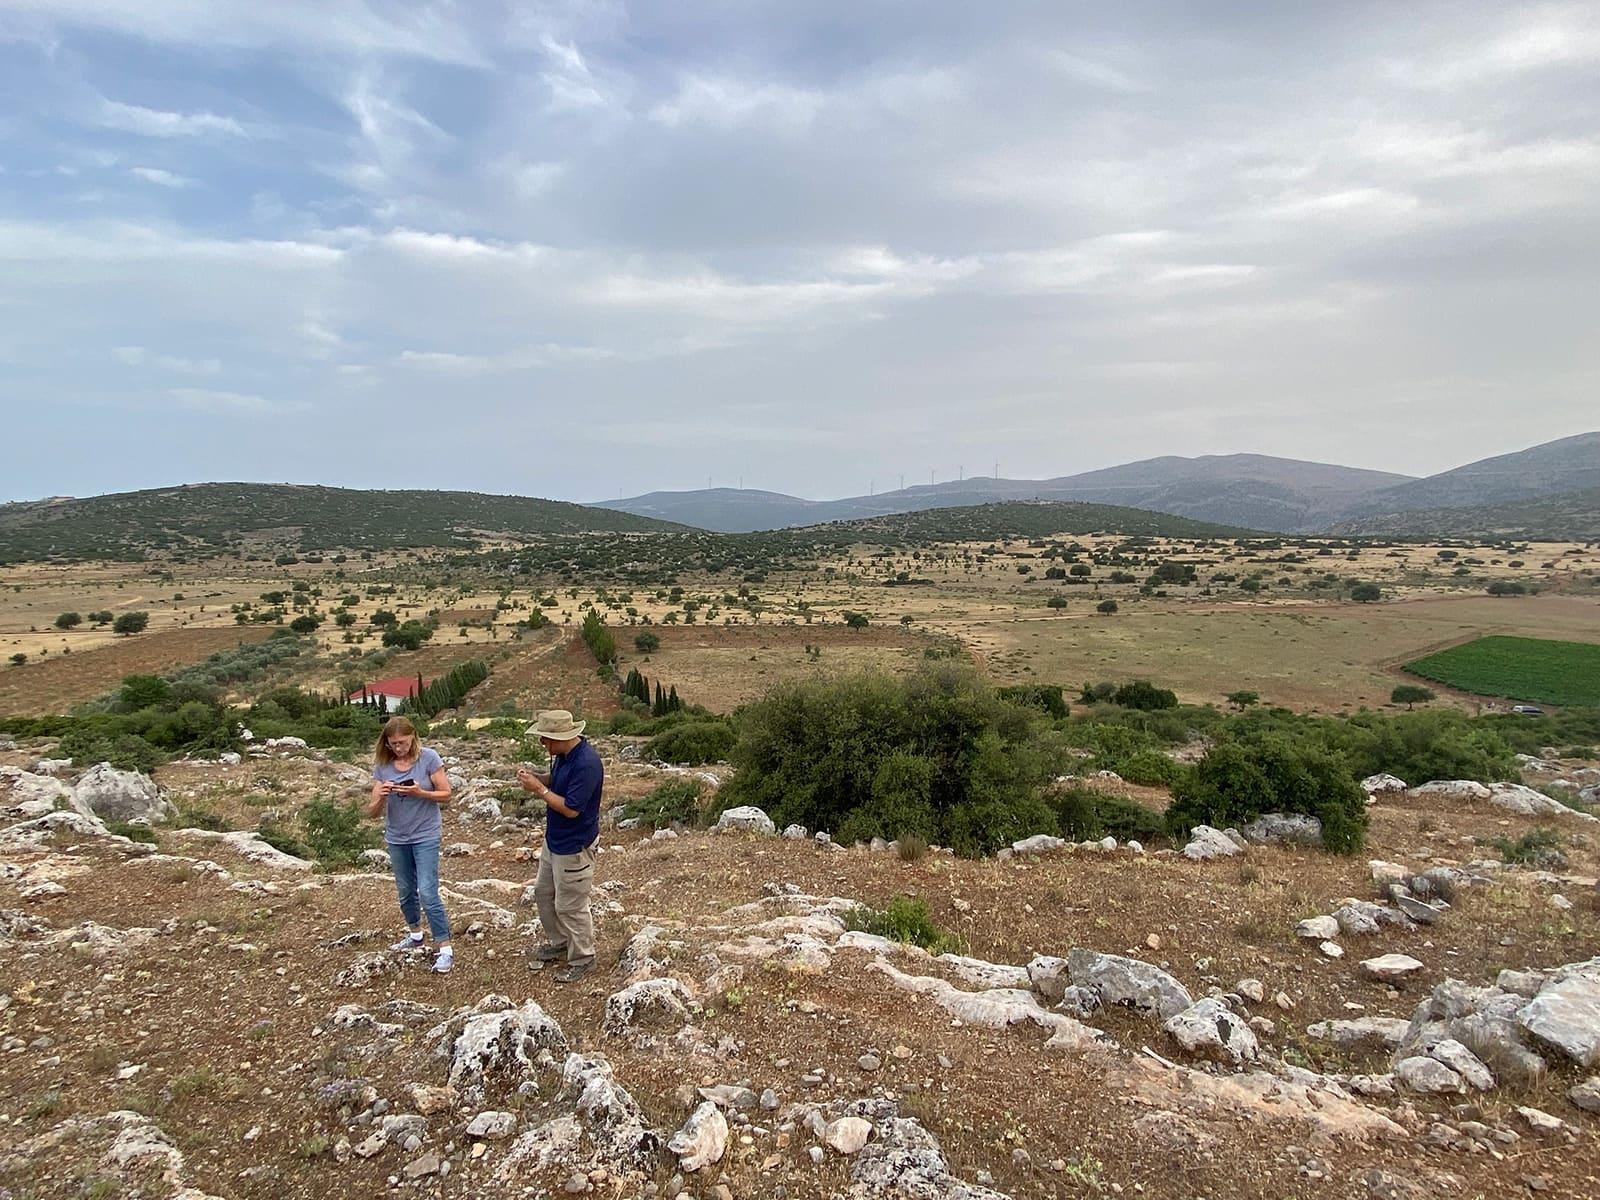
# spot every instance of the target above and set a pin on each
(133, 830)
(335, 834)
(675, 802)
(903, 919)
(202, 818)
(1539, 847)
(274, 834)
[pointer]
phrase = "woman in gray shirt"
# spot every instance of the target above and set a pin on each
(408, 786)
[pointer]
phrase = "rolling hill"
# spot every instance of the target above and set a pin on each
(211, 518)
(1571, 516)
(1248, 490)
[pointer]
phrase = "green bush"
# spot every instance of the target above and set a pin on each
(1084, 814)
(903, 919)
(936, 754)
(1046, 697)
(1238, 781)
(335, 833)
(274, 834)
(1144, 695)
(1150, 768)
(692, 743)
(202, 818)
(1540, 847)
(676, 802)
(133, 830)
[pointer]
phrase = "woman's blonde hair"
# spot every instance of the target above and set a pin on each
(393, 727)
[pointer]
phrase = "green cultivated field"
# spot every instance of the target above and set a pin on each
(1518, 669)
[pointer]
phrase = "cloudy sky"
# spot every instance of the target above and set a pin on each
(584, 249)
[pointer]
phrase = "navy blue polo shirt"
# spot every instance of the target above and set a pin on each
(576, 777)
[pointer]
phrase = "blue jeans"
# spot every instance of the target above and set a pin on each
(416, 879)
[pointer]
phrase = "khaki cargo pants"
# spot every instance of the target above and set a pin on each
(562, 894)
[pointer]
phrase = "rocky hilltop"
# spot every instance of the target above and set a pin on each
(206, 1015)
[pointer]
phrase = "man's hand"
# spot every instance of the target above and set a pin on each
(530, 782)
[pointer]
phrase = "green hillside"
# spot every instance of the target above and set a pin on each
(1021, 518)
(212, 518)
(1572, 516)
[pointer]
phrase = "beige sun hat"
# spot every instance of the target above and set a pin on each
(557, 725)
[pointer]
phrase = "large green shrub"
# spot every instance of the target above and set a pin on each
(692, 743)
(1238, 781)
(936, 754)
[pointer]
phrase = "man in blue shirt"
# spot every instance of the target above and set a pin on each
(571, 793)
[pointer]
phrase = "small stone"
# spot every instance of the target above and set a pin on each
(1251, 989)
(1540, 1121)
(769, 1099)
(869, 1062)
(576, 1183)
(1331, 950)
(1387, 967)
(815, 1154)
(847, 1135)
(424, 1164)
(1317, 929)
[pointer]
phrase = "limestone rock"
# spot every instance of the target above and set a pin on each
(554, 1143)
(1207, 843)
(665, 997)
(1382, 784)
(1119, 980)
(1364, 1033)
(1208, 1029)
(703, 1139)
(1565, 1016)
(983, 974)
(114, 795)
(847, 1135)
(1039, 843)
(1453, 789)
(746, 818)
(1317, 929)
(615, 1121)
(1291, 829)
(1464, 1063)
(1586, 1095)
(1389, 967)
(494, 1037)
(1427, 1075)
(492, 1124)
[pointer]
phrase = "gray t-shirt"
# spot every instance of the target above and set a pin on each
(408, 820)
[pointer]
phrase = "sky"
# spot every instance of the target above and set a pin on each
(585, 249)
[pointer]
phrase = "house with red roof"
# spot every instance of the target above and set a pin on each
(389, 694)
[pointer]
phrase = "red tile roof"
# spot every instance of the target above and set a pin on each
(399, 685)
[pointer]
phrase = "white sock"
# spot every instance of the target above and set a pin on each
(415, 937)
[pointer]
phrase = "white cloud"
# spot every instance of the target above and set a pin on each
(571, 85)
(430, 30)
(138, 356)
(155, 122)
(724, 103)
(221, 403)
(160, 177)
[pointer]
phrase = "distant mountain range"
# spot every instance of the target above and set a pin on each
(1240, 490)
(209, 518)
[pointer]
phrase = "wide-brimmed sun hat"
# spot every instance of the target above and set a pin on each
(557, 725)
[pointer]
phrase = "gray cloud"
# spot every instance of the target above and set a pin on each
(586, 247)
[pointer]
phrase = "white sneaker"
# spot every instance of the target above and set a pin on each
(445, 959)
(409, 942)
